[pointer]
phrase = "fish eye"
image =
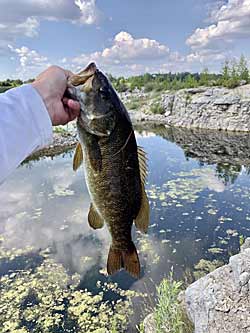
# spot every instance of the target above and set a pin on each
(104, 91)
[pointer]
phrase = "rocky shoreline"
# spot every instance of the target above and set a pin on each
(215, 108)
(62, 142)
(218, 302)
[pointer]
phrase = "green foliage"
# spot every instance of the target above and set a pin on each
(241, 240)
(134, 104)
(7, 84)
(190, 82)
(243, 71)
(3, 89)
(157, 108)
(233, 72)
(168, 314)
(204, 78)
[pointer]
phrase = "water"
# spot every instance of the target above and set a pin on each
(199, 191)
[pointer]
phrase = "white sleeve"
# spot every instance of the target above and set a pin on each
(25, 126)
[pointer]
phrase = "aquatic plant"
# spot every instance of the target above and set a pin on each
(206, 266)
(168, 314)
(47, 299)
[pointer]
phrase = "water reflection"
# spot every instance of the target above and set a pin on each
(198, 187)
(229, 151)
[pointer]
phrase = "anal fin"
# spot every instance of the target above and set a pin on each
(94, 219)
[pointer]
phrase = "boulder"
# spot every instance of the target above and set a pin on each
(220, 301)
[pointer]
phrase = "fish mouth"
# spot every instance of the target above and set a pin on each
(84, 78)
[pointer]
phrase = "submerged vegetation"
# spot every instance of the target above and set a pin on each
(45, 298)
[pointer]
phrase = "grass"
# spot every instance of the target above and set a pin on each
(169, 315)
(157, 108)
(135, 103)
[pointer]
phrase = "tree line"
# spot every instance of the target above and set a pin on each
(233, 73)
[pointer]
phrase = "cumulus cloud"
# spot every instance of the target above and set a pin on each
(23, 17)
(30, 61)
(135, 55)
(230, 22)
(126, 49)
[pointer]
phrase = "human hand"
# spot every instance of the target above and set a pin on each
(51, 85)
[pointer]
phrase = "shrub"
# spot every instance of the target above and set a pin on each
(157, 108)
(149, 87)
(169, 315)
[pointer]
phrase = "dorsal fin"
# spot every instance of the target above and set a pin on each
(142, 157)
(142, 219)
(78, 157)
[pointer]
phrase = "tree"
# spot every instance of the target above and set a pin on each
(225, 71)
(190, 81)
(242, 69)
(204, 77)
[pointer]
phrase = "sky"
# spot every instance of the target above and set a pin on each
(123, 37)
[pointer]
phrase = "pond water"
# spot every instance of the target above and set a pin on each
(199, 191)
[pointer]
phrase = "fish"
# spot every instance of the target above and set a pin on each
(115, 167)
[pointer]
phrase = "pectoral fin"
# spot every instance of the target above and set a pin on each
(95, 221)
(142, 164)
(142, 219)
(78, 157)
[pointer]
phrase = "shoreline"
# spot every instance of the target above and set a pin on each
(67, 140)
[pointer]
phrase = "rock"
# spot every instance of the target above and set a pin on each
(207, 108)
(149, 324)
(220, 302)
(243, 82)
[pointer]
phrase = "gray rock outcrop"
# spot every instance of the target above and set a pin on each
(220, 301)
(211, 108)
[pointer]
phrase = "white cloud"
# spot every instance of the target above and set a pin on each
(30, 62)
(205, 56)
(126, 49)
(89, 12)
(231, 22)
(23, 17)
(135, 55)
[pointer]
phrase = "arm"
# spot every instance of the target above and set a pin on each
(27, 115)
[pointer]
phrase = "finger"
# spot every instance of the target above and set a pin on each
(71, 115)
(71, 104)
(74, 105)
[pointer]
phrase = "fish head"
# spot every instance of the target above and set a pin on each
(98, 101)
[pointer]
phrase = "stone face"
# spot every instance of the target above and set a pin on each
(209, 108)
(149, 324)
(220, 301)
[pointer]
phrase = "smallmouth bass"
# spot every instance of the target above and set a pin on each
(115, 168)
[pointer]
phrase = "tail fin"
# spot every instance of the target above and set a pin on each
(127, 259)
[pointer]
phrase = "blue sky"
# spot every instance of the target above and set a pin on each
(123, 37)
